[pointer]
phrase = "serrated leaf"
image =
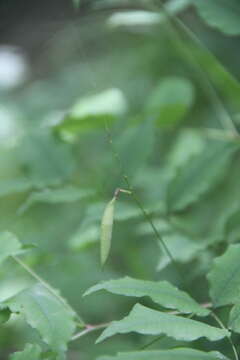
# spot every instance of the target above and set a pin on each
(162, 292)
(9, 245)
(45, 313)
(171, 100)
(56, 196)
(31, 352)
(199, 175)
(106, 231)
(173, 354)
(151, 322)
(223, 15)
(224, 278)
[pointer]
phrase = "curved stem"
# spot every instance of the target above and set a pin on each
(47, 286)
(219, 321)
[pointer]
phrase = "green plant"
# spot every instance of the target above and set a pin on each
(168, 158)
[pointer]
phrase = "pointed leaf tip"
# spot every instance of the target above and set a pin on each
(106, 230)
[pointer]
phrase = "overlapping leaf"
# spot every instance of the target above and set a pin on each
(173, 354)
(199, 175)
(9, 245)
(45, 313)
(224, 277)
(221, 14)
(161, 292)
(54, 196)
(31, 352)
(171, 100)
(151, 322)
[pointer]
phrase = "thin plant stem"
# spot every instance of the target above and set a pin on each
(47, 286)
(89, 329)
(219, 321)
(138, 202)
(225, 117)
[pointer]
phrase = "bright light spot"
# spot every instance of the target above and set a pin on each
(134, 18)
(13, 67)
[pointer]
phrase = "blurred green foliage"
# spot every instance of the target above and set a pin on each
(140, 92)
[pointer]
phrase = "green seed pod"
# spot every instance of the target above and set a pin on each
(106, 230)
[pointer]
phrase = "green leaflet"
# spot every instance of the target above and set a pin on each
(106, 231)
(9, 245)
(199, 175)
(151, 322)
(161, 292)
(224, 277)
(45, 313)
(221, 14)
(31, 352)
(171, 100)
(65, 194)
(175, 354)
(234, 319)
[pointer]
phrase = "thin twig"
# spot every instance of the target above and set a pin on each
(219, 321)
(138, 202)
(89, 329)
(47, 286)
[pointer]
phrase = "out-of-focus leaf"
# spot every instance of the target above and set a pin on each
(143, 17)
(9, 245)
(173, 354)
(171, 100)
(31, 352)
(77, 3)
(55, 196)
(132, 152)
(224, 277)
(182, 248)
(134, 18)
(199, 175)
(234, 319)
(84, 237)
(93, 112)
(106, 230)
(13, 186)
(223, 15)
(189, 143)
(162, 292)
(45, 313)
(151, 322)
(45, 160)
